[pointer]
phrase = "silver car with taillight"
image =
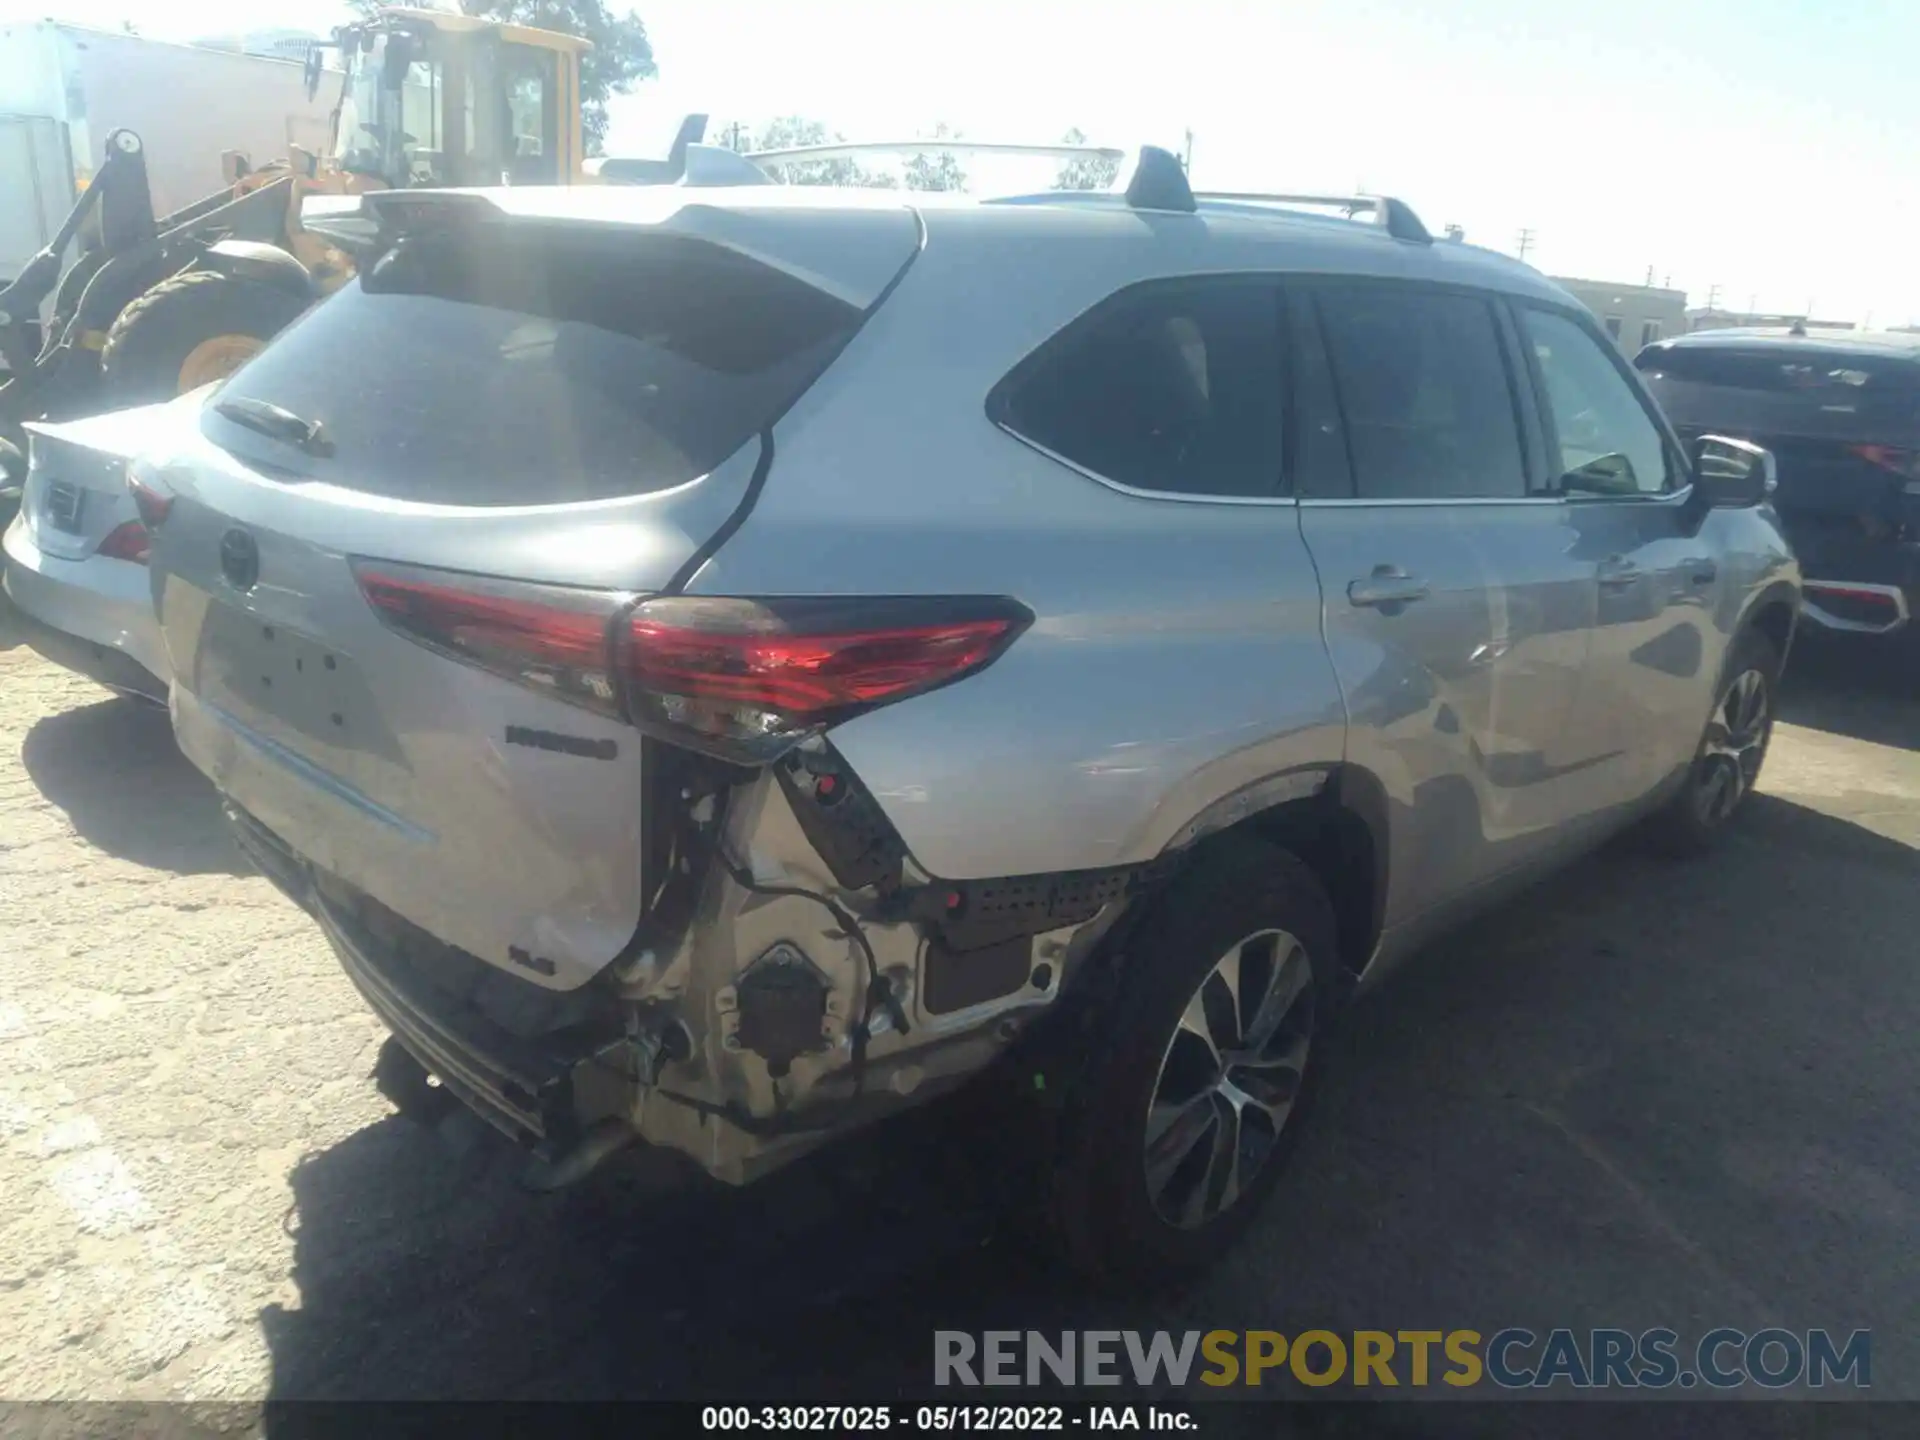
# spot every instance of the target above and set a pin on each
(722, 666)
(76, 554)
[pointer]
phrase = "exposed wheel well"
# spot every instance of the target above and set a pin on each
(1337, 843)
(1774, 619)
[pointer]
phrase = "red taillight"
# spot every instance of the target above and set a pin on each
(1905, 463)
(745, 678)
(547, 636)
(131, 541)
(742, 679)
(152, 504)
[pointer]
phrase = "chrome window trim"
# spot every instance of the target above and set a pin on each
(1645, 497)
(1674, 498)
(1398, 501)
(1670, 497)
(1177, 497)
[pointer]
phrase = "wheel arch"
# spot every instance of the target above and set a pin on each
(1775, 613)
(1334, 819)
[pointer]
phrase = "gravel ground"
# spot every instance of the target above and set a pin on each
(1645, 1094)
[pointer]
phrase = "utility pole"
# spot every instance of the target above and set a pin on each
(1713, 297)
(733, 137)
(1649, 277)
(1526, 242)
(1186, 159)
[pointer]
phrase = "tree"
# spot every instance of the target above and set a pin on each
(621, 54)
(936, 169)
(791, 131)
(1085, 172)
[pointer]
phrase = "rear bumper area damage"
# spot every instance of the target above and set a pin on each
(520, 1085)
(795, 977)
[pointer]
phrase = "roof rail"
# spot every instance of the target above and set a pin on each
(1396, 217)
(842, 149)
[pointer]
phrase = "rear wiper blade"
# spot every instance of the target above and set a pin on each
(277, 423)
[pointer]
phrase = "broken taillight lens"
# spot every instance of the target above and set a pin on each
(740, 679)
(152, 503)
(131, 541)
(547, 636)
(744, 679)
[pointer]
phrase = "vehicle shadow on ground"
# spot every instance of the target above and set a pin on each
(1868, 691)
(115, 771)
(1648, 1093)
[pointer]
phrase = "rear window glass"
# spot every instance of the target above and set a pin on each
(1781, 370)
(531, 363)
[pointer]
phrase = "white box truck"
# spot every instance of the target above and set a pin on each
(65, 88)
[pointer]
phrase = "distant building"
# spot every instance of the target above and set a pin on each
(1743, 320)
(1634, 315)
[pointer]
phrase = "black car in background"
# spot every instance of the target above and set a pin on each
(1841, 412)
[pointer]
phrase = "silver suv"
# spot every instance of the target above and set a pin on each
(722, 666)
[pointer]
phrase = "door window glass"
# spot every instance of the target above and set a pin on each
(1424, 392)
(1608, 443)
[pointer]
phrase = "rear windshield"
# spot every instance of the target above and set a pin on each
(1785, 371)
(535, 363)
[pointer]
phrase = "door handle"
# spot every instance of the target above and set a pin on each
(1617, 572)
(1387, 586)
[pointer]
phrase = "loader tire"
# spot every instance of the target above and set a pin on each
(196, 327)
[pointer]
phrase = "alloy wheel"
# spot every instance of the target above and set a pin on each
(1735, 745)
(1229, 1078)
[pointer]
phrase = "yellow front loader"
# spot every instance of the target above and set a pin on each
(155, 306)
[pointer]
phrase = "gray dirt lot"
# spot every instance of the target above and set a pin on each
(1647, 1094)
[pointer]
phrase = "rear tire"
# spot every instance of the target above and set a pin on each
(196, 327)
(1732, 749)
(1174, 1136)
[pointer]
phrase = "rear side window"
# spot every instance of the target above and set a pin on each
(533, 363)
(1178, 388)
(1425, 393)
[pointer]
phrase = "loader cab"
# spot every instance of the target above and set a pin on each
(448, 100)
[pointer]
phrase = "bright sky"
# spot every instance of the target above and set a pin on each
(1767, 147)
